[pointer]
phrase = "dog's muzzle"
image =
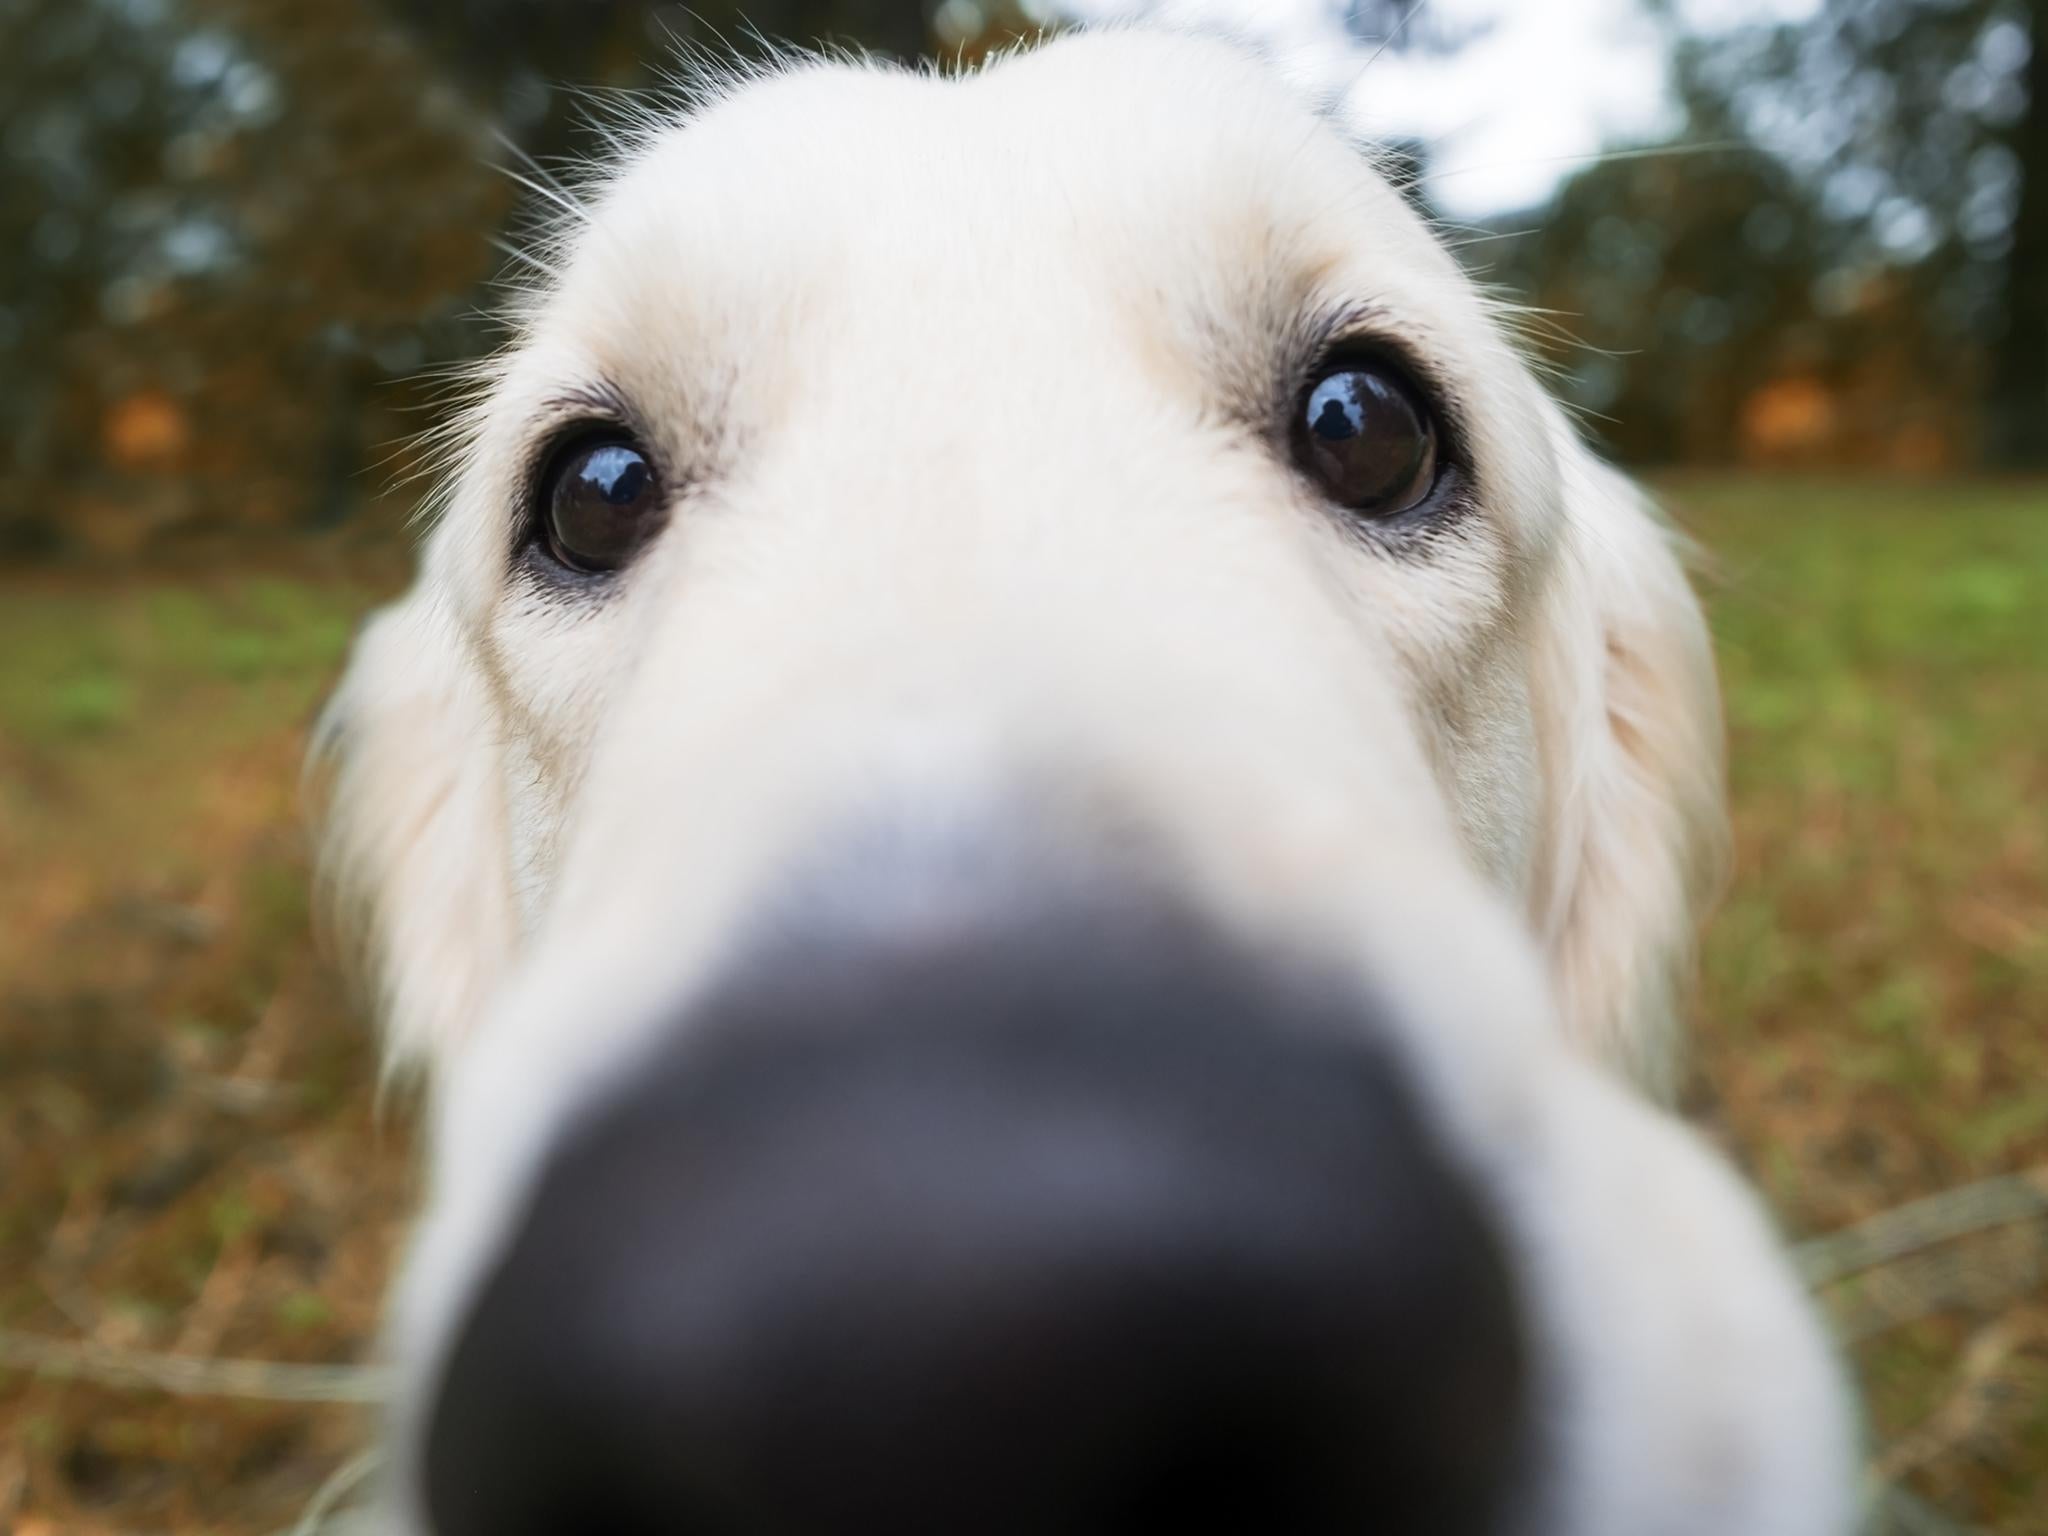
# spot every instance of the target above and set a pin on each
(1084, 1224)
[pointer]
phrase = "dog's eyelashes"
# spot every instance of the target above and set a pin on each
(1365, 436)
(599, 502)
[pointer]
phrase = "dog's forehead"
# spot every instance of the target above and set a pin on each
(1126, 179)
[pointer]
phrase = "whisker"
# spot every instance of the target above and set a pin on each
(1487, 237)
(526, 258)
(1595, 158)
(1393, 36)
(548, 192)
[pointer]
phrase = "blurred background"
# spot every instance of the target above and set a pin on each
(1789, 259)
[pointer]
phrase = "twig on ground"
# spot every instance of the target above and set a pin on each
(344, 1481)
(1981, 1276)
(221, 1294)
(191, 1375)
(1920, 1224)
(1967, 1410)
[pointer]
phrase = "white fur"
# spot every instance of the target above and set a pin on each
(941, 372)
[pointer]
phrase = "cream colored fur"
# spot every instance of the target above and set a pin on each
(1629, 720)
(968, 515)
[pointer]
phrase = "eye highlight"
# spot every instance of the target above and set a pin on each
(1367, 438)
(599, 501)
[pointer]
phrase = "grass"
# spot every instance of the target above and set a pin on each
(1873, 1016)
(193, 1165)
(192, 1162)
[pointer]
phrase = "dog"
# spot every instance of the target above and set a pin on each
(1039, 823)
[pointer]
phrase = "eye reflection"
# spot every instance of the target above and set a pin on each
(602, 503)
(1367, 439)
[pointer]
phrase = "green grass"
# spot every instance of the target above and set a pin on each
(1884, 653)
(1873, 1013)
(1872, 1022)
(79, 663)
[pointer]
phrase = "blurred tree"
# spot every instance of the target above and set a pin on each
(1914, 125)
(528, 61)
(1684, 280)
(225, 224)
(216, 220)
(1840, 259)
(2020, 403)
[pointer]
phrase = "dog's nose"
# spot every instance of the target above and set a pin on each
(1099, 1229)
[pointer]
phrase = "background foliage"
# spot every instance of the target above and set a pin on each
(231, 229)
(1848, 267)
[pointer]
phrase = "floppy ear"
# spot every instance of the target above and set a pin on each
(409, 817)
(1629, 721)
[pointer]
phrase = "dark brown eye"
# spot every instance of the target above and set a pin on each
(599, 503)
(1366, 437)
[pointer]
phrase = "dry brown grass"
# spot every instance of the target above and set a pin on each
(194, 1164)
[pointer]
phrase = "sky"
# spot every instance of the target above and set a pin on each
(1546, 85)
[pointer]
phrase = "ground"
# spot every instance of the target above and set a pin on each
(195, 1159)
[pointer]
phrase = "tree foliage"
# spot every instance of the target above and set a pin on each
(227, 225)
(1858, 271)
(1914, 121)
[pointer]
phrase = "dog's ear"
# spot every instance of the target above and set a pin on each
(1629, 721)
(409, 817)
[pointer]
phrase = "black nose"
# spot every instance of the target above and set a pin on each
(1097, 1229)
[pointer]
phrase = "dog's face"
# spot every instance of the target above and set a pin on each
(1028, 808)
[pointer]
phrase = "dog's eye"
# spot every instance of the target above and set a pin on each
(600, 502)
(1367, 438)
